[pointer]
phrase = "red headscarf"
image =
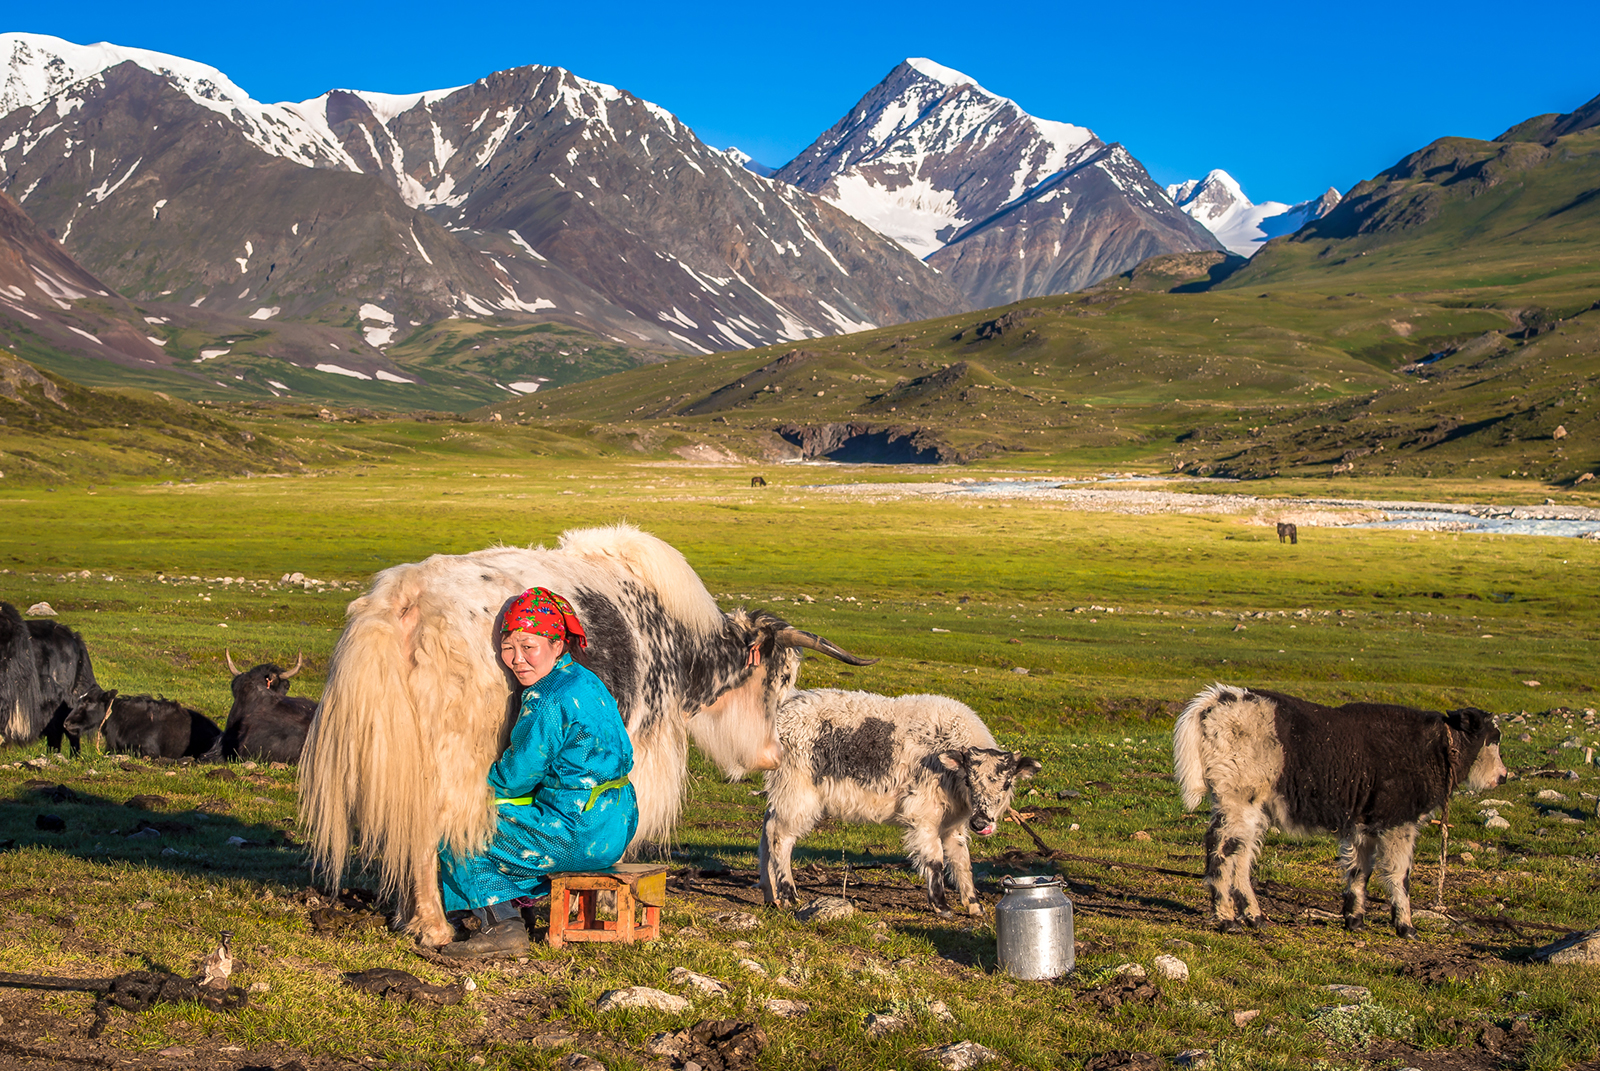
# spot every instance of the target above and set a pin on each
(544, 613)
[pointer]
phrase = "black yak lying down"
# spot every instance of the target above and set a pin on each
(1370, 772)
(145, 725)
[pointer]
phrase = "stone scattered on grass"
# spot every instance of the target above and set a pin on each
(1129, 970)
(641, 996)
(1193, 1058)
(940, 1011)
(787, 1009)
(700, 983)
(883, 1024)
(785, 982)
(554, 1039)
(1573, 948)
(958, 1056)
(1172, 967)
(1140, 834)
(753, 967)
(826, 909)
(1496, 822)
(690, 931)
(580, 1061)
(667, 1043)
(1349, 992)
(42, 609)
(738, 921)
(1494, 803)
(1245, 1018)
(1550, 795)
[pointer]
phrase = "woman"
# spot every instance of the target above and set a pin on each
(561, 786)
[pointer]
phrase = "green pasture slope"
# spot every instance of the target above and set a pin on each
(1117, 619)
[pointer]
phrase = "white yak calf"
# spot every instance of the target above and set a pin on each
(925, 762)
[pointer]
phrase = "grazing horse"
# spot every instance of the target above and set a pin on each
(1287, 531)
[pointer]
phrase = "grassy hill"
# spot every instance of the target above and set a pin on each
(1442, 319)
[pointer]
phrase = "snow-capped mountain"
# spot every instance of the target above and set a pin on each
(530, 193)
(744, 160)
(934, 160)
(1220, 205)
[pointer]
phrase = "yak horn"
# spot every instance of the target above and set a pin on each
(794, 637)
(299, 663)
(228, 654)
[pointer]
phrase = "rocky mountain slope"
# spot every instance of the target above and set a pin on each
(1005, 204)
(529, 195)
(1219, 203)
(46, 297)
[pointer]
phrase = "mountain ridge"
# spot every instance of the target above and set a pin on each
(958, 174)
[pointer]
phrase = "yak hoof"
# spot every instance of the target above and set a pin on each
(1229, 926)
(975, 909)
(1255, 922)
(1354, 922)
(1407, 931)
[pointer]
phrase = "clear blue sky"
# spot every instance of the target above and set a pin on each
(1290, 98)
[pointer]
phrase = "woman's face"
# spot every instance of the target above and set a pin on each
(530, 657)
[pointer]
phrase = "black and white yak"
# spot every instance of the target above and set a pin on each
(926, 762)
(1370, 772)
(418, 705)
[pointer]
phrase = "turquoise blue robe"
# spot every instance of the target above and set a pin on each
(568, 739)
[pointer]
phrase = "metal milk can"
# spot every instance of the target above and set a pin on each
(1033, 928)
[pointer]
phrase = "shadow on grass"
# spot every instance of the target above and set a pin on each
(94, 828)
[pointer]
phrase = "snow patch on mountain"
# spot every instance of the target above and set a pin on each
(744, 160)
(1219, 204)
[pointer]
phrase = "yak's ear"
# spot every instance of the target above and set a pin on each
(1027, 767)
(1467, 721)
(954, 760)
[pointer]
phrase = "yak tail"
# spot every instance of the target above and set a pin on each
(660, 754)
(19, 678)
(1188, 759)
(408, 709)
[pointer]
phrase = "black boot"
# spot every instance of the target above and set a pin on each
(504, 935)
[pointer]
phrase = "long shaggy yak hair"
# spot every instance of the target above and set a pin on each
(417, 704)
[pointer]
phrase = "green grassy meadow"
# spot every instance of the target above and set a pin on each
(1117, 619)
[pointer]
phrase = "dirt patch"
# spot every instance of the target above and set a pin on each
(1114, 994)
(711, 1044)
(1481, 1046)
(1118, 1060)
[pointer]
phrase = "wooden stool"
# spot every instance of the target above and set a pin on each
(637, 885)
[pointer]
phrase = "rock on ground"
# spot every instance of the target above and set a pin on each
(640, 996)
(700, 983)
(1574, 948)
(580, 1061)
(826, 909)
(753, 967)
(959, 1056)
(880, 1025)
(738, 921)
(1172, 967)
(1128, 970)
(1349, 992)
(787, 1009)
